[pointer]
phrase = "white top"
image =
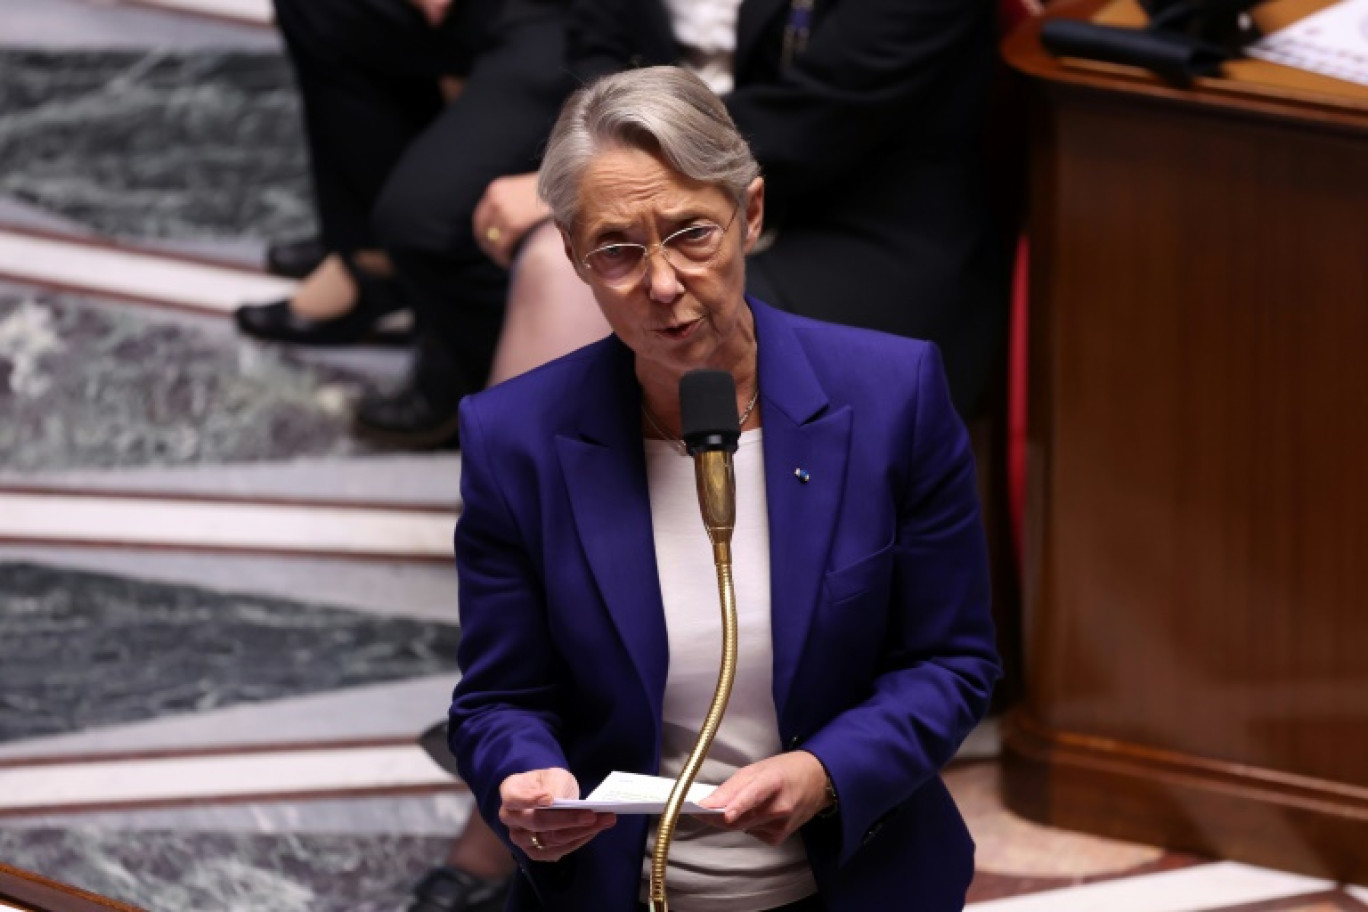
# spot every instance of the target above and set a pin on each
(706, 31)
(712, 869)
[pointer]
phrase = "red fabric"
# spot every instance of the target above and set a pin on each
(1012, 13)
(1017, 388)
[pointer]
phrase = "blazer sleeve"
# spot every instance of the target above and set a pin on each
(505, 711)
(940, 661)
(871, 69)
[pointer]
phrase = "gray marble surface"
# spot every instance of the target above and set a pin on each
(79, 650)
(230, 872)
(443, 815)
(156, 143)
(393, 710)
(420, 590)
(89, 386)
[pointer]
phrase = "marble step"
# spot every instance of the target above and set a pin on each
(223, 524)
(95, 267)
(257, 774)
(183, 25)
(246, 12)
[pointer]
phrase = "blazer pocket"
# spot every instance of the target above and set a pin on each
(868, 574)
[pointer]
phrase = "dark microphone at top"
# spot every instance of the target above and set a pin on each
(707, 411)
(711, 429)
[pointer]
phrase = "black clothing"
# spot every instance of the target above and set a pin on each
(396, 167)
(870, 142)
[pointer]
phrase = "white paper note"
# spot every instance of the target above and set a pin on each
(632, 793)
(1333, 41)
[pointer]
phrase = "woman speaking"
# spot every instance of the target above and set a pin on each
(591, 629)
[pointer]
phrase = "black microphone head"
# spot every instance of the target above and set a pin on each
(707, 410)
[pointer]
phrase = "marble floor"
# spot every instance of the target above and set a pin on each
(223, 621)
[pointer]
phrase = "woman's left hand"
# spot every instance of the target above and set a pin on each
(771, 799)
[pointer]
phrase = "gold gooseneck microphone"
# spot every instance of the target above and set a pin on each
(711, 428)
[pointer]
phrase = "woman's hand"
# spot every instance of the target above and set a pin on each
(771, 799)
(547, 835)
(505, 214)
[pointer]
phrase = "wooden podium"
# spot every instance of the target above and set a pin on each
(1196, 602)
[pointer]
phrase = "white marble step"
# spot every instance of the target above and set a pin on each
(250, 12)
(55, 262)
(106, 25)
(221, 776)
(195, 524)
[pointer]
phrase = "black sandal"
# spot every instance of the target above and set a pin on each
(376, 298)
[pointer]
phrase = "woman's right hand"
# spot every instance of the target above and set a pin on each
(505, 214)
(542, 833)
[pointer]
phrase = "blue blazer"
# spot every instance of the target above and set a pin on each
(882, 638)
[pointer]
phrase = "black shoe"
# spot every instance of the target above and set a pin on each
(376, 299)
(409, 418)
(295, 259)
(448, 889)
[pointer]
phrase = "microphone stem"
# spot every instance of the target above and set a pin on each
(716, 493)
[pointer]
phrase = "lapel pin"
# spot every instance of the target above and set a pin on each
(802, 475)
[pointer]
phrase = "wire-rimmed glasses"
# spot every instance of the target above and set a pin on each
(688, 250)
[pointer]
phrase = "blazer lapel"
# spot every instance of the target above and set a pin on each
(802, 433)
(605, 474)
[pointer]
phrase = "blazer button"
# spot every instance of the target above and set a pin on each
(793, 743)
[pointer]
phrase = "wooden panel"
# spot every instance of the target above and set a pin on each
(1196, 619)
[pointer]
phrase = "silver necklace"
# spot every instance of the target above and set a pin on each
(679, 444)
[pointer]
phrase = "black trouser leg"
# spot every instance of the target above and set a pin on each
(496, 127)
(458, 308)
(367, 72)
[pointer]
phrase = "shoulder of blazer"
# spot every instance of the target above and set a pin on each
(548, 388)
(586, 394)
(845, 353)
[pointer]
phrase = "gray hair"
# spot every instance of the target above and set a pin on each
(663, 110)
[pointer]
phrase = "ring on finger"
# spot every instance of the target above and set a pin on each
(492, 234)
(536, 841)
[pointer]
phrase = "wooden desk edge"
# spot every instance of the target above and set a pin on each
(1024, 52)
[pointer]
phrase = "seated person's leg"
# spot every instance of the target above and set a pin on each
(343, 301)
(475, 878)
(550, 312)
(368, 73)
(424, 216)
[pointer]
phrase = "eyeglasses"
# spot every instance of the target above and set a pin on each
(688, 250)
